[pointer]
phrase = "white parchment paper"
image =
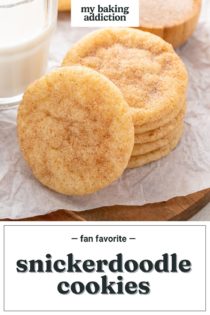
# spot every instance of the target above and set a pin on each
(184, 171)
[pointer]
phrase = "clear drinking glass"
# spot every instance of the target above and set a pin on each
(25, 32)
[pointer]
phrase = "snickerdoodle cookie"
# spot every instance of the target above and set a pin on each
(160, 132)
(144, 148)
(144, 67)
(140, 160)
(161, 122)
(75, 130)
(64, 5)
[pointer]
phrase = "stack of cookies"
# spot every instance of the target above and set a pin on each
(152, 79)
(118, 102)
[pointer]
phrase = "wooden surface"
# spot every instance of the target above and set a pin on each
(178, 33)
(181, 208)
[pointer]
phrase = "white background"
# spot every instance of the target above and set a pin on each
(168, 291)
(77, 18)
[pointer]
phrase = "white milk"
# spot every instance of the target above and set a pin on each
(25, 31)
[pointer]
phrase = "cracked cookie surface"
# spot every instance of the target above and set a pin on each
(75, 130)
(145, 68)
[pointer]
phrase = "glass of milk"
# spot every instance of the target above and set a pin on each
(25, 31)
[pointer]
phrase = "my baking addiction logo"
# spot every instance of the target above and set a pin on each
(102, 13)
(117, 267)
(105, 13)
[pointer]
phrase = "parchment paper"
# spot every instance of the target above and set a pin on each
(184, 171)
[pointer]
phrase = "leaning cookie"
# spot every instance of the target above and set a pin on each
(75, 131)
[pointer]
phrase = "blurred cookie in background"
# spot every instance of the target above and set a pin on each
(64, 5)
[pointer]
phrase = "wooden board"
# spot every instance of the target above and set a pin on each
(180, 208)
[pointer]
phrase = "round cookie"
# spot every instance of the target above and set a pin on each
(173, 20)
(137, 161)
(149, 73)
(64, 5)
(144, 148)
(75, 130)
(161, 122)
(153, 135)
